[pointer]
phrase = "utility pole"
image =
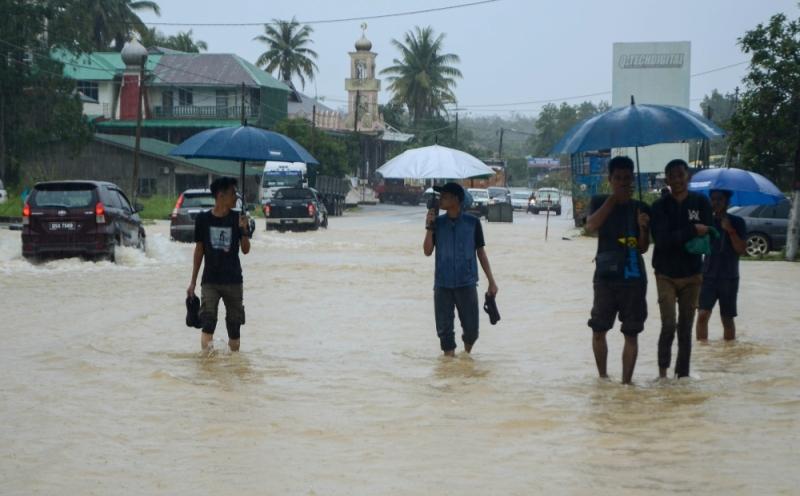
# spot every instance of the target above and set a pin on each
(456, 140)
(313, 128)
(500, 148)
(355, 130)
(138, 142)
(241, 164)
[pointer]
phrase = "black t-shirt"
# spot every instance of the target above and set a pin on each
(723, 262)
(220, 237)
(479, 241)
(620, 233)
(672, 225)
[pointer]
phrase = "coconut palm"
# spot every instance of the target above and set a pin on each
(288, 50)
(114, 20)
(423, 78)
(184, 42)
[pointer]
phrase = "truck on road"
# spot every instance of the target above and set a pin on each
(332, 191)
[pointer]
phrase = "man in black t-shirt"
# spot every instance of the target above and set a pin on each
(721, 268)
(620, 281)
(678, 218)
(218, 235)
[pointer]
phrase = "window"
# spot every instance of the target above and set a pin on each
(167, 100)
(147, 187)
(185, 97)
(89, 89)
(113, 198)
(222, 103)
(255, 100)
(782, 210)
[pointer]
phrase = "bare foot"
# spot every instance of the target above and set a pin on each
(450, 353)
(468, 347)
(662, 373)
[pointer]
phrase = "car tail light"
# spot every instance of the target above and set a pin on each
(100, 213)
(26, 215)
(177, 206)
(266, 210)
(312, 210)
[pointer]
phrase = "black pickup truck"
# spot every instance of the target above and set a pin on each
(295, 209)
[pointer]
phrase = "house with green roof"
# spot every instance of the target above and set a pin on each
(184, 92)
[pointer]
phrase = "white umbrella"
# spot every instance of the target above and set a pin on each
(434, 162)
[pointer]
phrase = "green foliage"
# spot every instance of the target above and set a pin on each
(721, 108)
(113, 21)
(555, 120)
(287, 50)
(337, 156)
(37, 104)
(183, 41)
(766, 125)
(423, 78)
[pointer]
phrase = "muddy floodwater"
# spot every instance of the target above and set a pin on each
(340, 388)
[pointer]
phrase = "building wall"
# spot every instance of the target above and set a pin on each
(106, 96)
(101, 162)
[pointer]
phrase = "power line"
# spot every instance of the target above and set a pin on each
(328, 21)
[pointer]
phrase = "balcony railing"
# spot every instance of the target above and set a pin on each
(204, 112)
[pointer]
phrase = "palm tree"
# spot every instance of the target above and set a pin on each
(114, 20)
(287, 50)
(423, 78)
(185, 43)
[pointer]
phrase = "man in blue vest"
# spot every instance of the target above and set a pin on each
(457, 238)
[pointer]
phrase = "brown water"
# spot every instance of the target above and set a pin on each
(340, 388)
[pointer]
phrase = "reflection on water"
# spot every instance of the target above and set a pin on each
(340, 387)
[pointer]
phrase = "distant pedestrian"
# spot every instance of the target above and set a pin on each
(721, 268)
(219, 233)
(620, 280)
(678, 218)
(457, 239)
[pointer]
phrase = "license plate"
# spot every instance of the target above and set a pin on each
(289, 221)
(62, 226)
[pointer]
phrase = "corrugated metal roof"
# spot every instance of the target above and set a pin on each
(211, 69)
(97, 66)
(162, 148)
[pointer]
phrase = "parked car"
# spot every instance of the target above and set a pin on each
(190, 203)
(79, 218)
(520, 199)
(766, 226)
(295, 208)
(546, 199)
(3, 193)
(498, 194)
(480, 202)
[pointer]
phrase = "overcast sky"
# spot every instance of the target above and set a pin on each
(511, 50)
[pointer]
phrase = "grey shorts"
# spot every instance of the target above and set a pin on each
(231, 296)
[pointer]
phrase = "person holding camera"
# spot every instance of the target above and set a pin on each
(620, 280)
(219, 233)
(457, 239)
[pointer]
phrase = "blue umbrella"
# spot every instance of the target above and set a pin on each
(243, 143)
(748, 188)
(635, 126)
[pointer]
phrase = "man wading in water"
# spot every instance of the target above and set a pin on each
(456, 237)
(218, 234)
(620, 281)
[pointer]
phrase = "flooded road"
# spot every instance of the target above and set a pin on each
(340, 388)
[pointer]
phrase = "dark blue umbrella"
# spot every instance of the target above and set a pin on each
(748, 188)
(637, 125)
(243, 143)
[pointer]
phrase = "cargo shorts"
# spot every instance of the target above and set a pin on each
(232, 296)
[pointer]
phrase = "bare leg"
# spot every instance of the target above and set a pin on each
(730, 328)
(629, 354)
(600, 348)
(702, 324)
(450, 353)
(468, 347)
(234, 344)
(205, 340)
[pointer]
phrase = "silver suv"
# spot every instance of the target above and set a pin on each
(189, 204)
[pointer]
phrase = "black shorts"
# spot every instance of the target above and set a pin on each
(724, 290)
(626, 299)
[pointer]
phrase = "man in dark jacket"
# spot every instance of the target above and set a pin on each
(457, 238)
(678, 218)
